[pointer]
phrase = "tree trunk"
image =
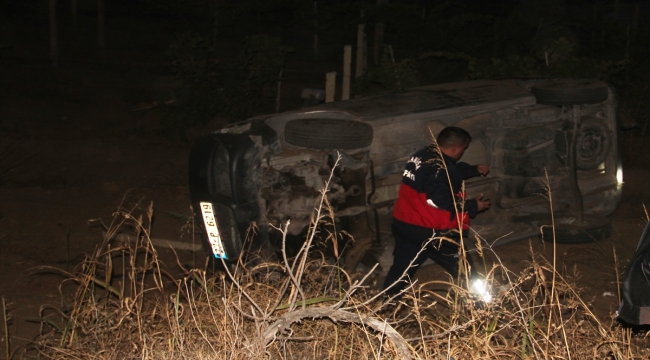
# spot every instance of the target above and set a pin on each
(73, 11)
(315, 34)
(379, 37)
(361, 36)
(54, 55)
(100, 23)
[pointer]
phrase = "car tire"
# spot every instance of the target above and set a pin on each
(593, 229)
(570, 92)
(593, 144)
(328, 133)
(356, 253)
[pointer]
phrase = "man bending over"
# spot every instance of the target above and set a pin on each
(426, 205)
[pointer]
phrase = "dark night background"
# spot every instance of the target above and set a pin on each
(115, 111)
(220, 58)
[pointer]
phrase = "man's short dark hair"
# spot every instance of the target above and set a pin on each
(453, 136)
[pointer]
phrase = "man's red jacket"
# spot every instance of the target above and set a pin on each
(425, 198)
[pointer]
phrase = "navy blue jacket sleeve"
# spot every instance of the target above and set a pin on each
(471, 206)
(467, 170)
(437, 189)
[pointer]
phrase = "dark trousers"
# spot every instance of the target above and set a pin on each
(409, 240)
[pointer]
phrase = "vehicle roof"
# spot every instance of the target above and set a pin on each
(430, 98)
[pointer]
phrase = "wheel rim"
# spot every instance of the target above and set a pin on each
(593, 143)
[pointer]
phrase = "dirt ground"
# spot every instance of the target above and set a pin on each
(81, 153)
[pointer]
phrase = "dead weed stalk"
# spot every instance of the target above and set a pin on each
(125, 305)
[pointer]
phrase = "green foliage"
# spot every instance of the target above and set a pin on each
(512, 66)
(194, 63)
(388, 75)
(458, 40)
(433, 63)
(209, 88)
(260, 64)
(557, 58)
(182, 216)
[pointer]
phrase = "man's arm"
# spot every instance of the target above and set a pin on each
(467, 170)
(475, 206)
(471, 206)
(470, 171)
(439, 195)
(438, 192)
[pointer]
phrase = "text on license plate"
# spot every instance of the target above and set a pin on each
(210, 222)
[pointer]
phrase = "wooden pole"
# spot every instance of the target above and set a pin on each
(360, 42)
(277, 97)
(330, 86)
(54, 55)
(315, 34)
(378, 43)
(347, 61)
(216, 20)
(594, 27)
(392, 59)
(627, 53)
(73, 11)
(100, 23)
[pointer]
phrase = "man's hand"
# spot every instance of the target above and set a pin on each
(483, 204)
(484, 169)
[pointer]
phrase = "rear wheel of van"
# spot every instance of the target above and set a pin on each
(593, 143)
(570, 92)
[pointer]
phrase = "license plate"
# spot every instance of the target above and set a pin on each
(211, 229)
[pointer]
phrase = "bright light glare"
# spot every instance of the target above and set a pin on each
(479, 287)
(619, 175)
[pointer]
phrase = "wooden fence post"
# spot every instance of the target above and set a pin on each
(361, 35)
(279, 94)
(347, 60)
(330, 86)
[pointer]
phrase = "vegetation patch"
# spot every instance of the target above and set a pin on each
(121, 303)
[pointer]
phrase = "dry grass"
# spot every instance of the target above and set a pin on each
(252, 313)
(120, 304)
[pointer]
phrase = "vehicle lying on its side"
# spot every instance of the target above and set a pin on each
(269, 169)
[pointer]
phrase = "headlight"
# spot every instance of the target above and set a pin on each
(479, 287)
(619, 175)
